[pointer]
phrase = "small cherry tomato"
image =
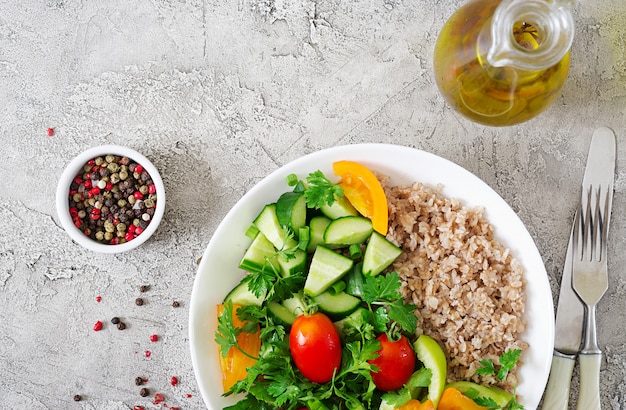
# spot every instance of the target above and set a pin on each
(315, 347)
(396, 363)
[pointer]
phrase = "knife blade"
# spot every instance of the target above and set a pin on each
(570, 311)
(568, 334)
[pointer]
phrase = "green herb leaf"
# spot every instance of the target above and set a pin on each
(403, 314)
(381, 288)
(398, 315)
(508, 360)
(320, 191)
(259, 283)
(487, 368)
(486, 402)
(226, 334)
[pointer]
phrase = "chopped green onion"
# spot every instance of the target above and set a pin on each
(252, 232)
(355, 251)
(304, 236)
(292, 179)
(337, 287)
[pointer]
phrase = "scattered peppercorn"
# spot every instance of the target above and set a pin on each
(121, 326)
(139, 302)
(77, 397)
(104, 192)
(154, 338)
(176, 304)
(138, 381)
(174, 381)
(144, 392)
(97, 326)
(138, 408)
(115, 320)
(50, 132)
(144, 288)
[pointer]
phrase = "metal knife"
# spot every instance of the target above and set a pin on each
(570, 311)
(568, 334)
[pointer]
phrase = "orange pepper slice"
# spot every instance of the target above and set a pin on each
(453, 399)
(365, 193)
(235, 365)
(414, 404)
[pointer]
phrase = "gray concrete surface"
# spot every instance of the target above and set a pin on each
(218, 94)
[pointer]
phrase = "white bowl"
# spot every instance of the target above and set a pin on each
(63, 190)
(218, 272)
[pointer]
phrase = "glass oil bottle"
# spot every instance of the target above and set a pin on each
(502, 62)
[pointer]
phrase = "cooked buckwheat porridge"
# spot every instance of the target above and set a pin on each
(468, 288)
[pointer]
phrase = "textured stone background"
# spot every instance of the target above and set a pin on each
(219, 93)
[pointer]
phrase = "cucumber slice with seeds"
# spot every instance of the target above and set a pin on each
(267, 223)
(340, 208)
(259, 256)
(348, 230)
(282, 315)
(327, 267)
(379, 254)
(337, 306)
(291, 211)
(317, 227)
(294, 265)
(241, 295)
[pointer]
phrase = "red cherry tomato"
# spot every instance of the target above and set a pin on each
(396, 362)
(315, 347)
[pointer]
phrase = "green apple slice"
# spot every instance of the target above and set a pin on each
(433, 358)
(473, 391)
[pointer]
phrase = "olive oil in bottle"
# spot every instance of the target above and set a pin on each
(497, 62)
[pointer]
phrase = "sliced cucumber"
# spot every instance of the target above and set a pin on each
(327, 267)
(294, 265)
(295, 304)
(259, 255)
(241, 295)
(337, 306)
(291, 210)
(341, 207)
(354, 280)
(348, 230)
(317, 227)
(379, 254)
(282, 315)
(268, 224)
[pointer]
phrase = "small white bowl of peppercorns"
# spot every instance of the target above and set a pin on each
(110, 199)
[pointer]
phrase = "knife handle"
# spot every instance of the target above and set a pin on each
(589, 394)
(557, 392)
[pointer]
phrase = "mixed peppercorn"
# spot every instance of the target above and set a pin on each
(112, 200)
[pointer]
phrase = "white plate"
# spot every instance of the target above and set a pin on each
(218, 272)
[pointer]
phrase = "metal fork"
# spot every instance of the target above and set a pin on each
(590, 282)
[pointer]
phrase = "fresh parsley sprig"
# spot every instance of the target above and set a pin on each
(507, 362)
(391, 314)
(226, 335)
(318, 190)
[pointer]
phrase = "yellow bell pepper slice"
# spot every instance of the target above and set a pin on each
(453, 399)
(364, 192)
(235, 365)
